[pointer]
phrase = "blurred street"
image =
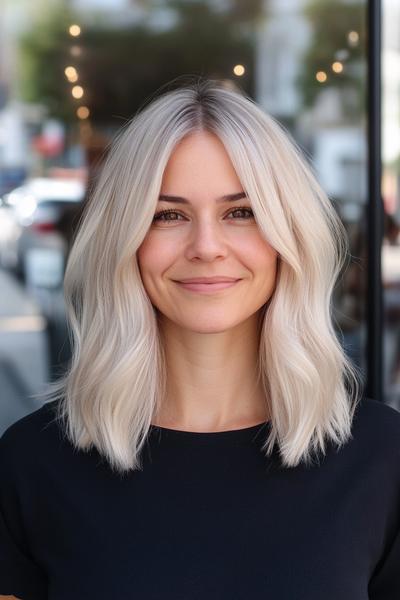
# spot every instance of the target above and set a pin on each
(31, 330)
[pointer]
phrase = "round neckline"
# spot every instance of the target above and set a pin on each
(226, 435)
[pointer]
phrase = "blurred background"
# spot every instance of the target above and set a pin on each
(72, 72)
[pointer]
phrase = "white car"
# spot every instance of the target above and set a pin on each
(37, 221)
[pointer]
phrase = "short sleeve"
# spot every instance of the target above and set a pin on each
(19, 575)
(385, 582)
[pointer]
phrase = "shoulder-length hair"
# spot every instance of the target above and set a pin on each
(116, 380)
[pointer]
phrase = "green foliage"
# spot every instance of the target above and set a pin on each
(120, 68)
(42, 60)
(331, 21)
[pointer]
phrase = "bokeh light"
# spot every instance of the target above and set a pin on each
(83, 112)
(337, 67)
(321, 76)
(77, 91)
(74, 30)
(239, 70)
(71, 73)
(353, 38)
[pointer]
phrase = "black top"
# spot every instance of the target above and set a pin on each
(208, 517)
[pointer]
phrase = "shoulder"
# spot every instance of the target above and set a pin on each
(381, 419)
(376, 430)
(31, 425)
(30, 436)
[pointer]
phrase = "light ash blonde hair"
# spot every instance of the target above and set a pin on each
(116, 379)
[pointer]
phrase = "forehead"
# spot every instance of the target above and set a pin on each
(200, 161)
(181, 200)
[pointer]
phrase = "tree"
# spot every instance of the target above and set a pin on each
(331, 22)
(120, 68)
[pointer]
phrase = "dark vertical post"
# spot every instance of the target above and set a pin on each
(374, 383)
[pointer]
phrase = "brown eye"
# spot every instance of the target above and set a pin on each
(167, 214)
(242, 209)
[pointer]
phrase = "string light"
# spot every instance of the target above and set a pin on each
(83, 112)
(75, 51)
(353, 38)
(71, 74)
(74, 30)
(239, 70)
(77, 91)
(337, 67)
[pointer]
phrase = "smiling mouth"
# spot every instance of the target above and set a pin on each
(209, 288)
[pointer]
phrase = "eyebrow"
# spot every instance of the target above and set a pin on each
(180, 200)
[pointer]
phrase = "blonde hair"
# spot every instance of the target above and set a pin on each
(117, 376)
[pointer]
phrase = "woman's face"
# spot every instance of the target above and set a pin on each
(205, 235)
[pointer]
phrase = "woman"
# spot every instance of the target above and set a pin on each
(208, 440)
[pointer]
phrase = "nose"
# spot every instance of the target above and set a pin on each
(206, 241)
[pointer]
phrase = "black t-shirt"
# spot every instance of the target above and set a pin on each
(208, 517)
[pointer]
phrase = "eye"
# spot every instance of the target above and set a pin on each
(167, 215)
(243, 209)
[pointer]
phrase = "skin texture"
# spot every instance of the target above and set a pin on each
(211, 341)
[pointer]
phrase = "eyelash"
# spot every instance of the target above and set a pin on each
(172, 211)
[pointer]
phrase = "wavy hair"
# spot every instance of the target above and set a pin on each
(116, 379)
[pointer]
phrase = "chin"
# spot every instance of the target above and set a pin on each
(209, 325)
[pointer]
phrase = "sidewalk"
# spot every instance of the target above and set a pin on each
(23, 351)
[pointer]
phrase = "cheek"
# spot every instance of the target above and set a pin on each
(145, 257)
(153, 257)
(148, 263)
(259, 255)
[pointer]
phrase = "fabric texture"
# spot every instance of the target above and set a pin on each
(209, 517)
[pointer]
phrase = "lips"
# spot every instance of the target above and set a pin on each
(217, 279)
(212, 286)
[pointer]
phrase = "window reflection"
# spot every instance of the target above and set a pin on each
(311, 75)
(391, 199)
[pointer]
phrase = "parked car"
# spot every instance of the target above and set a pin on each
(37, 222)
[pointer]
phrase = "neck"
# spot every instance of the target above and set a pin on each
(212, 378)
